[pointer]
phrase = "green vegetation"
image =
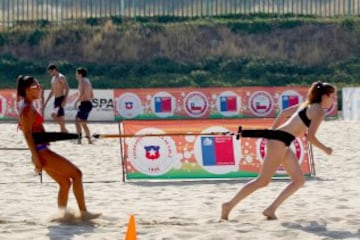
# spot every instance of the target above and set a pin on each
(211, 72)
(225, 51)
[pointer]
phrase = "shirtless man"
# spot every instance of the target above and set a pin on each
(60, 90)
(85, 96)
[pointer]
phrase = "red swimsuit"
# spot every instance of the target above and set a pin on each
(38, 122)
(37, 126)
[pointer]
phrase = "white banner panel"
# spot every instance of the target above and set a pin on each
(351, 104)
(103, 106)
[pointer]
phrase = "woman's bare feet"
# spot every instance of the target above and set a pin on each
(85, 215)
(225, 210)
(89, 139)
(269, 214)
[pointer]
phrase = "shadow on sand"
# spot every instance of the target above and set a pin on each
(64, 230)
(185, 182)
(321, 230)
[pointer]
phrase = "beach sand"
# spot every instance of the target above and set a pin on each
(327, 207)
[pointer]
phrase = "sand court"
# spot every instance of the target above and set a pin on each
(327, 207)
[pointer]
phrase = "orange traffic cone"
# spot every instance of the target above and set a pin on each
(131, 230)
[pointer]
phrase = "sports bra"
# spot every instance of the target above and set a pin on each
(38, 121)
(304, 117)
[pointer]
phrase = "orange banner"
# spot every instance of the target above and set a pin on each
(208, 103)
(211, 152)
(8, 104)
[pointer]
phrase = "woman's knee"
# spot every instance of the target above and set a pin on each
(77, 174)
(262, 182)
(65, 184)
(299, 181)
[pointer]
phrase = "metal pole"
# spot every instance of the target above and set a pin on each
(91, 7)
(207, 8)
(81, 9)
(349, 8)
(61, 12)
(16, 10)
(13, 18)
(152, 10)
(8, 11)
(42, 10)
(3, 15)
(27, 10)
(100, 7)
(122, 7)
(47, 10)
(192, 8)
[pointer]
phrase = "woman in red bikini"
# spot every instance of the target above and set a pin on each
(57, 167)
(291, 123)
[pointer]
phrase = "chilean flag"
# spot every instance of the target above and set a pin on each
(152, 152)
(228, 104)
(129, 105)
(162, 104)
(217, 151)
(289, 100)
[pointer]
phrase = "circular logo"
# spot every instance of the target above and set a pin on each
(3, 105)
(289, 98)
(261, 103)
(163, 104)
(217, 154)
(196, 104)
(152, 156)
(296, 146)
(228, 104)
(129, 105)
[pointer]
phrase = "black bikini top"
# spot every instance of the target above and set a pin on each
(304, 117)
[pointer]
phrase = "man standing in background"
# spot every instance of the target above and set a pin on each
(85, 96)
(60, 91)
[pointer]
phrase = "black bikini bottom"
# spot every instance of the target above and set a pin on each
(282, 136)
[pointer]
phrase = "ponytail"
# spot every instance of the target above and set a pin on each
(23, 82)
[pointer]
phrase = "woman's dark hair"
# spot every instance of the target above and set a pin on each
(82, 71)
(317, 90)
(52, 67)
(23, 82)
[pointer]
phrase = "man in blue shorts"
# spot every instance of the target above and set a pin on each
(85, 96)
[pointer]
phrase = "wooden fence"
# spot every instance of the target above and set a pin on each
(65, 11)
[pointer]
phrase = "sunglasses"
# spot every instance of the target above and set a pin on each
(35, 86)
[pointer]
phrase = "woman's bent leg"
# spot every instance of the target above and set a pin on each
(297, 180)
(60, 169)
(276, 152)
(78, 189)
(64, 187)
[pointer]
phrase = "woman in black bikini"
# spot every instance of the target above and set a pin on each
(57, 167)
(291, 123)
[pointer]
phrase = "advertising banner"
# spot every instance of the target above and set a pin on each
(8, 110)
(103, 107)
(208, 103)
(176, 103)
(351, 104)
(198, 156)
